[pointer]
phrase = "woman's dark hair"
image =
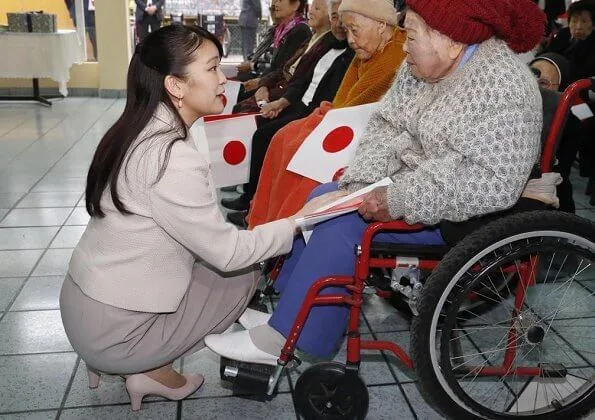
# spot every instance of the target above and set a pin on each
(303, 9)
(167, 51)
(582, 6)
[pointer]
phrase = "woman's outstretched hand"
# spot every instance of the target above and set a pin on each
(318, 202)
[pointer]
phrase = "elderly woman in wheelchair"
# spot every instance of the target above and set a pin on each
(459, 135)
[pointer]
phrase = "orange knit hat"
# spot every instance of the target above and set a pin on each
(519, 23)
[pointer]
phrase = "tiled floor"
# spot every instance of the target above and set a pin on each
(44, 155)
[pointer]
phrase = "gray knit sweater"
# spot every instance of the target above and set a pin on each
(455, 149)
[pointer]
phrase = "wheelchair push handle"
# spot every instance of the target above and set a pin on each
(567, 100)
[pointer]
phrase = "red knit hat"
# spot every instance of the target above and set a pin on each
(519, 23)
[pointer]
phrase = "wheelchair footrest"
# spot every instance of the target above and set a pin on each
(248, 380)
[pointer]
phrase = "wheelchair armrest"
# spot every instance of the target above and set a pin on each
(372, 230)
(428, 252)
(392, 226)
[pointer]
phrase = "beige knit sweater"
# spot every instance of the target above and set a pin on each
(143, 261)
(455, 149)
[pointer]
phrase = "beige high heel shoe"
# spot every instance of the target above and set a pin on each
(93, 376)
(140, 385)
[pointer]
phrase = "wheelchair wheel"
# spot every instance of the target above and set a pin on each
(532, 354)
(326, 391)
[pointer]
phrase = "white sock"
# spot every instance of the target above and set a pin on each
(267, 339)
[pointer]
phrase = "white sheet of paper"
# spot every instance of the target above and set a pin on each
(230, 149)
(332, 144)
(306, 223)
(232, 90)
(581, 111)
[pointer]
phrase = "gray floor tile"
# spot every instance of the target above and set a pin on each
(373, 368)
(18, 263)
(33, 332)
(34, 381)
(387, 403)
(50, 199)
(53, 263)
(68, 237)
(3, 212)
(279, 408)
(65, 184)
(35, 415)
(149, 411)
(8, 290)
(423, 410)
(35, 217)
(111, 390)
(382, 316)
(586, 213)
(7, 200)
(207, 363)
(39, 293)
(579, 334)
(26, 238)
(403, 373)
(78, 217)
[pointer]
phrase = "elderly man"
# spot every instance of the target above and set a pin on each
(455, 139)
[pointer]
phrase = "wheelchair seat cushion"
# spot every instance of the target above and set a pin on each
(453, 232)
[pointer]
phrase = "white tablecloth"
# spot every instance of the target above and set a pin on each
(35, 55)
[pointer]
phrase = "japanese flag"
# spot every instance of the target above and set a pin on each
(331, 146)
(229, 138)
(230, 97)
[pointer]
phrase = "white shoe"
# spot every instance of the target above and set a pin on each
(252, 318)
(239, 346)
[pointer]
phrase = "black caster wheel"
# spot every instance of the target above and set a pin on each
(326, 391)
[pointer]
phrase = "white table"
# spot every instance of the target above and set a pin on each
(36, 55)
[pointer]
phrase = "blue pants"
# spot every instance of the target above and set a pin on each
(330, 251)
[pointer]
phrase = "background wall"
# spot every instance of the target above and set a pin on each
(113, 39)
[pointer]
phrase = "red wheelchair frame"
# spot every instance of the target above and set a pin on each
(364, 262)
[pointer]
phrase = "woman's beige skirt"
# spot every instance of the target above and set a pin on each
(119, 341)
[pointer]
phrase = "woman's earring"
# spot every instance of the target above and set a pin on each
(180, 102)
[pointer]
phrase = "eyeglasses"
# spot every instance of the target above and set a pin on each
(548, 84)
(544, 83)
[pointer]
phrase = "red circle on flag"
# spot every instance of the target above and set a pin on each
(234, 152)
(224, 100)
(338, 139)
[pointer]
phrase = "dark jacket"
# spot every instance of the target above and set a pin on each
(293, 40)
(141, 5)
(580, 54)
(89, 14)
(329, 85)
(250, 14)
(299, 81)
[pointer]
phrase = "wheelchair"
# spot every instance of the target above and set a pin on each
(503, 322)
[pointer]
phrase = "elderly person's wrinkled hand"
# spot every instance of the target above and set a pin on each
(375, 206)
(273, 109)
(251, 84)
(262, 94)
